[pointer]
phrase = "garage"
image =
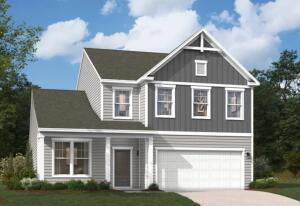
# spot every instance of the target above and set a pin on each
(199, 169)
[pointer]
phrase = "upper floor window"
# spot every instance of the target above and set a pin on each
(122, 103)
(71, 158)
(201, 102)
(201, 67)
(165, 101)
(234, 104)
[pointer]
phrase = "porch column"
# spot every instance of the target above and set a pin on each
(107, 159)
(148, 161)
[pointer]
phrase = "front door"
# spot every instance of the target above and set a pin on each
(122, 168)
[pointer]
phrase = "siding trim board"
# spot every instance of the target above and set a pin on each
(100, 132)
(200, 84)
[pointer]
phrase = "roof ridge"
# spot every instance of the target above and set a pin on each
(63, 90)
(122, 50)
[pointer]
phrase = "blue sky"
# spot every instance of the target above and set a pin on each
(253, 31)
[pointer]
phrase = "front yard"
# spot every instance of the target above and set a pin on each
(288, 186)
(64, 198)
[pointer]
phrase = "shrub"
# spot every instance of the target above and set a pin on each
(104, 185)
(263, 183)
(59, 186)
(91, 185)
(36, 185)
(262, 168)
(153, 187)
(13, 184)
(15, 169)
(293, 163)
(75, 185)
(26, 183)
(46, 185)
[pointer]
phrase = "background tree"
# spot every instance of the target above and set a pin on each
(277, 110)
(17, 47)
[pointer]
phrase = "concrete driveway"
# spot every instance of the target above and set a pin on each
(239, 198)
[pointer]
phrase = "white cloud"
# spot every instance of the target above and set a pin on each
(256, 38)
(225, 17)
(162, 33)
(157, 7)
(108, 7)
(281, 15)
(61, 37)
(253, 36)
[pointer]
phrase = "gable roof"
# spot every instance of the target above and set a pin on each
(216, 46)
(71, 109)
(137, 66)
(121, 64)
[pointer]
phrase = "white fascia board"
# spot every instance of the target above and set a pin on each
(148, 132)
(243, 71)
(122, 81)
(170, 55)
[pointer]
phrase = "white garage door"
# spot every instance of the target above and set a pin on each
(196, 170)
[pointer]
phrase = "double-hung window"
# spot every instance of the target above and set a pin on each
(122, 100)
(165, 101)
(234, 104)
(201, 102)
(71, 158)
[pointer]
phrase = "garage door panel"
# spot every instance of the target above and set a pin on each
(196, 170)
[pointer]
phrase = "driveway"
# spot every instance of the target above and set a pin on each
(239, 198)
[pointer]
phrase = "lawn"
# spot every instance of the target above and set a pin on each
(288, 186)
(61, 198)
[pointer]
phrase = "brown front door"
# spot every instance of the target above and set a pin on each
(122, 168)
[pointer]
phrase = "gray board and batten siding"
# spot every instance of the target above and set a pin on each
(182, 69)
(183, 118)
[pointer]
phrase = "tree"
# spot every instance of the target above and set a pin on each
(285, 74)
(17, 47)
(277, 110)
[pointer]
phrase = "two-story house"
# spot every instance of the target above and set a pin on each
(183, 120)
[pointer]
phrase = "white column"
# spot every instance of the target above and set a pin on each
(148, 161)
(107, 159)
(40, 156)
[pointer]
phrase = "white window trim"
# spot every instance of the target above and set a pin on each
(173, 87)
(130, 101)
(71, 141)
(205, 67)
(208, 89)
(242, 103)
(113, 166)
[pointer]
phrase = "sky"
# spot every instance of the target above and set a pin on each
(253, 31)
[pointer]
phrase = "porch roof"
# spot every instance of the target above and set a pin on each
(71, 109)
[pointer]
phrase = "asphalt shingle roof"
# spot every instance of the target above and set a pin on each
(120, 64)
(71, 109)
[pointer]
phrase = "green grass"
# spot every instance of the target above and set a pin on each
(288, 185)
(62, 198)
